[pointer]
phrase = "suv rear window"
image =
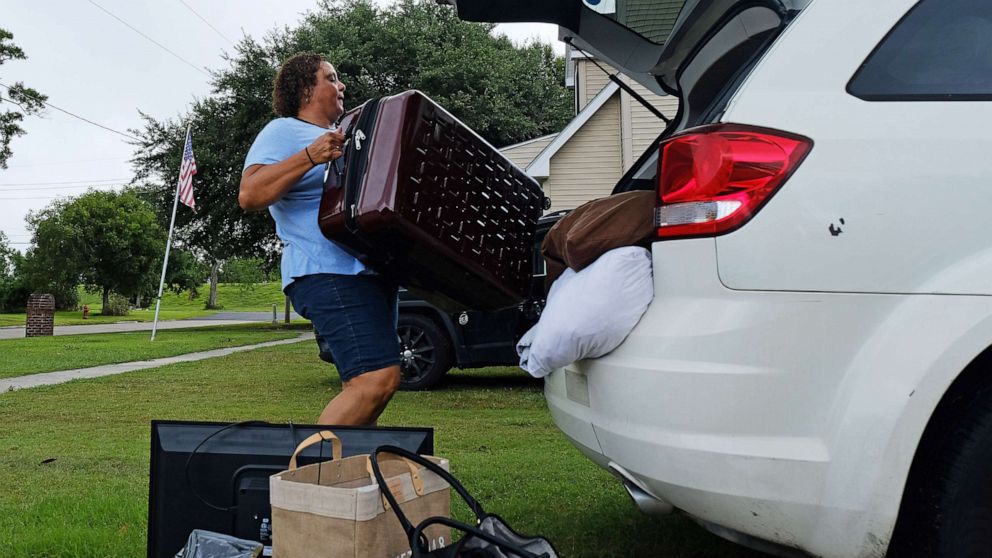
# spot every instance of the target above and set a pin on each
(940, 51)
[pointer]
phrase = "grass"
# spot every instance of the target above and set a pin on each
(74, 457)
(231, 297)
(68, 352)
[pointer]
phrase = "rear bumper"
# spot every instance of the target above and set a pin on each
(726, 404)
(764, 486)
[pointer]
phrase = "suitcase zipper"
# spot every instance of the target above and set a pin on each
(357, 159)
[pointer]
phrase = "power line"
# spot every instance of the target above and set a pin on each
(12, 102)
(57, 196)
(158, 44)
(66, 182)
(76, 162)
(34, 198)
(47, 104)
(88, 185)
(190, 8)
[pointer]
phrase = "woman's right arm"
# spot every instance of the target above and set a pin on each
(263, 185)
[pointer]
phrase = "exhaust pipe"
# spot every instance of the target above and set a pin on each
(645, 501)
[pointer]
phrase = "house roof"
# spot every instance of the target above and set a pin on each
(525, 142)
(540, 167)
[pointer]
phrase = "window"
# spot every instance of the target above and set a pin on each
(941, 51)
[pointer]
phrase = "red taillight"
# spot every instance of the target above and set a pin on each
(713, 179)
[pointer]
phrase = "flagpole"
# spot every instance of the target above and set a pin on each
(168, 245)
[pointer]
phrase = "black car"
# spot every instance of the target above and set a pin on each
(433, 341)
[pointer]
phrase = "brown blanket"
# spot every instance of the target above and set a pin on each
(597, 227)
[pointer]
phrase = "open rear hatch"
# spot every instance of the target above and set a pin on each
(651, 41)
(697, 50)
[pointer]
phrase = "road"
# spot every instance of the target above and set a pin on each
(223, 318)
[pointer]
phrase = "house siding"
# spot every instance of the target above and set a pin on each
(639, 127)
(589, 165)
(523, 153)
(645, 127)
(592, 80)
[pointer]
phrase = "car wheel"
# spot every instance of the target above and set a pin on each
(425, 352)
(949, 499)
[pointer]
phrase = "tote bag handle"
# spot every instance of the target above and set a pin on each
(418, 483)
(322, 436)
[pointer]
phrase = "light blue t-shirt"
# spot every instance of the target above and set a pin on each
(306, 250)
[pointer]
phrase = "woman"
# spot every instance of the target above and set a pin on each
(353, 310)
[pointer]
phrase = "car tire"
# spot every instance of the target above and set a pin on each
(949, 500)
(425, 352)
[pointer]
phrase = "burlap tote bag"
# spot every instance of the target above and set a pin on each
(334, 509)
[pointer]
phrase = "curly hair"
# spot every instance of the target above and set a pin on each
(296, 77)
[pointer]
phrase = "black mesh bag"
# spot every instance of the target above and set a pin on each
(490, 537)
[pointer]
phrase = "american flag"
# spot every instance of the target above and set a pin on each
(186, 172)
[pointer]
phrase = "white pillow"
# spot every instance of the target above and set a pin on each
(589, 313)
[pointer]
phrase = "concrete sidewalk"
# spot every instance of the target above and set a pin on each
(17, 332)
(50, 378)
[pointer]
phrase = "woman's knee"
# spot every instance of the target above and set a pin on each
(377, 385)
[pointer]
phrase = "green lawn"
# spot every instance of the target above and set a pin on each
(231, 297)
(74, 457)
(68, 352)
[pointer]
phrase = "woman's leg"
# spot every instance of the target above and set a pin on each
(362, 399)
(355, 317)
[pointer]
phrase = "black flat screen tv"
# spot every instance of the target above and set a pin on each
(215, 476)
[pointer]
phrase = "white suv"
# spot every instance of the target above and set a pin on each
(814, 375)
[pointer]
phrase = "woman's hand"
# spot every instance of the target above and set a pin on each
(326, 147)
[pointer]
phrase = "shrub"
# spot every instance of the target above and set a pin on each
(117, 305)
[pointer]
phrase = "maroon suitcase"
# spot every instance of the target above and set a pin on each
(425, 200)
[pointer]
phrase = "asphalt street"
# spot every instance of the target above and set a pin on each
(223, 318)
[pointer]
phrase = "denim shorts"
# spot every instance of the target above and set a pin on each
(354, 317)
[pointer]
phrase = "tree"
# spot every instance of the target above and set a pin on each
(8, 278)
(245, 272)
(26, 99)
(14, 288)
(185, 273)
(505, 93)
(35, 274)
(6, 259)
(108, 241)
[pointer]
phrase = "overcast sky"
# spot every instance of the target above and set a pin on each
(95, 66)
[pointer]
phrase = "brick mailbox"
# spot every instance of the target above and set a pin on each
(41, 315)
